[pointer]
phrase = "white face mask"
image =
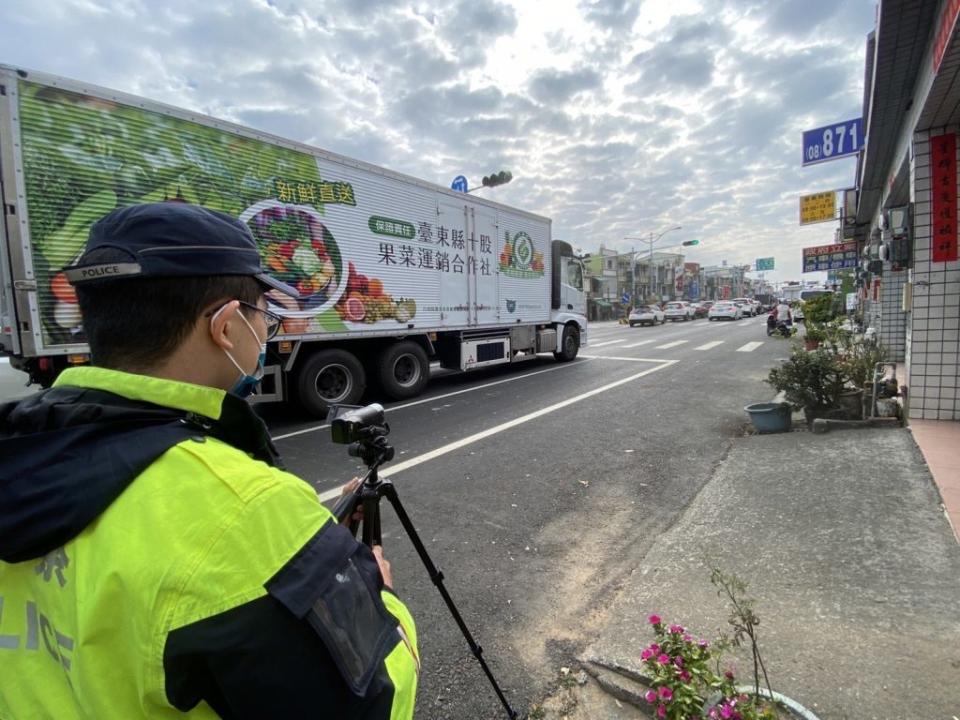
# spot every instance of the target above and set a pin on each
(246, 383)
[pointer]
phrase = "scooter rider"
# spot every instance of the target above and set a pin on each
(155, 559)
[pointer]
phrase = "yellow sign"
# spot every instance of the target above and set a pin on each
(818, 208)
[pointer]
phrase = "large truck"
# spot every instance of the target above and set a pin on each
(394, 273)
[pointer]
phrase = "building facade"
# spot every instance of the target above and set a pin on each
(906, 216)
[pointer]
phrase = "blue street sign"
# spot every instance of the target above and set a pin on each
(459, 184)
(625, 298)
(830, 142)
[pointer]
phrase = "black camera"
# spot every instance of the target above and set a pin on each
(353, 423)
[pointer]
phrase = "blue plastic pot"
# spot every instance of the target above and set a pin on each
(770, 417)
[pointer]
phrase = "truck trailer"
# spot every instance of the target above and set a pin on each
(394, 274)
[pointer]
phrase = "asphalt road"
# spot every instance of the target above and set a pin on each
(538, 488)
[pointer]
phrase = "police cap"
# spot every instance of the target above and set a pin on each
(166, 240)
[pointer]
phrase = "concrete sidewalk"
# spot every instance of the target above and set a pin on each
(845, 546)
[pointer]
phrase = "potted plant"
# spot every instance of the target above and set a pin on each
(813, 336)
(812, 381)
(685, 675)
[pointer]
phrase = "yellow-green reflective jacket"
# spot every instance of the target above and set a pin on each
(155, 561)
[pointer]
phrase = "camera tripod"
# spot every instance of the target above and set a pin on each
(374, 450)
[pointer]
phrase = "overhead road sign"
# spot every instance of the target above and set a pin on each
(764, 264)
(830, 142)
(817, 208)
(830, 257)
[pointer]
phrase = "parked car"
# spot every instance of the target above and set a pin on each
(706, 305)
(700, 309)
(646, 315)
(678, 311)
(746, 306)
(725, 309)
(796, 310)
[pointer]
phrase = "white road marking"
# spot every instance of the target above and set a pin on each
(707, 346)
(749, 347)
(746, 323)
(671, 344)
(626, 359)
(435, 398)
(482, 435)
(608, 342)
(638, 344)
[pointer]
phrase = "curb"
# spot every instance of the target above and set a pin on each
(620, 682)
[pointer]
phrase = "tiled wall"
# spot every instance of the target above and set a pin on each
(893, 320)
(933, 363)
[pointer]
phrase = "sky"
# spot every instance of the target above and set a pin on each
(618, 119)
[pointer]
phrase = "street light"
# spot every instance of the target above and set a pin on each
(651, 241)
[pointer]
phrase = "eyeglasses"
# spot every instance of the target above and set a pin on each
(271, 320)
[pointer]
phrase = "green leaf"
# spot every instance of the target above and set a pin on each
(66, 243)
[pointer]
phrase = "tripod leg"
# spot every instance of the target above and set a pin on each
(371, 519)
(387, 489)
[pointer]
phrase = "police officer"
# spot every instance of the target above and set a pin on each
(155, 559)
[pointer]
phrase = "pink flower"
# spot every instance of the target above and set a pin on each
(650, 696)
(666, 694)
(728, 674)
(678, 661)
(712, 713)
(654, 619)
(703, 643)
(663, 659)
(661, 711)
(685, 676)
(687, 637)
(676, 629)
(655, 647)
(726, 711)
(646, 654)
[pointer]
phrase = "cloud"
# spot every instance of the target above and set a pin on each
(615, 117)
(611, 15)
(559, 86)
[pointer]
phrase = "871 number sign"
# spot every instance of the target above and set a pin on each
(834, 141)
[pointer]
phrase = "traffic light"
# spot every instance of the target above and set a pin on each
(500, 178)
(687, 243)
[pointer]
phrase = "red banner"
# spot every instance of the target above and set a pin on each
(943, 159)
(948, 18)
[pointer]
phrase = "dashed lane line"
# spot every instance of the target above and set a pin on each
(638, 344)
(482, 435)
(749, 347)
(671, 344)
(707, 346)
(608, 342)
(625, 358)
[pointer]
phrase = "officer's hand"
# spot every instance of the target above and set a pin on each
(357, 516)
(384, 566)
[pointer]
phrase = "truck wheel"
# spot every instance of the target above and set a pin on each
(330, 377)
(570, 344)
(403, 370)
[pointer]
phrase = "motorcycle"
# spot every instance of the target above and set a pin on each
(784, 327)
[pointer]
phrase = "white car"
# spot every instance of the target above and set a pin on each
(678, 311)
(646, 315)
(746, 306)
(725, 309)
